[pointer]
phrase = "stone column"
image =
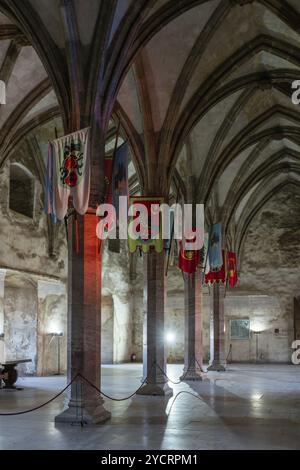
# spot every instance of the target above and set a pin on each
(84, 322)
(2, 343)
(217, 334)
(193, 348)
(154, 310)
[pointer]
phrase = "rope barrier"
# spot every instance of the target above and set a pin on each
(112, 398)
(82, 378)
(44, 404)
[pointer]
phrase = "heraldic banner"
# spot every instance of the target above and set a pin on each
(149, 230)
(232, 269)
(215, 248)
(188, 259)
(217, 276)
(120, 176)
(68, 174)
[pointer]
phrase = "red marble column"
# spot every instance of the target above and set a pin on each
(84, 321)
(193, 352)
(154, 354)
(217, 333)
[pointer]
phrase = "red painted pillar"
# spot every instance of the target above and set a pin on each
(84, 320)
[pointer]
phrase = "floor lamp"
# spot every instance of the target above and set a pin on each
(257, 333)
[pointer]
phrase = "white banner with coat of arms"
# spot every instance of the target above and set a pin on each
(68, 174)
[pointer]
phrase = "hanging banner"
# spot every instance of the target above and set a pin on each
(108, 172)
(204, 261)
(215, 248)
(68, 174)
(120, 176)
(232, 269)
(217, 276)
(188, 259)
(145, 227)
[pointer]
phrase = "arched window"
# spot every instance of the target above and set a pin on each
(21, 190)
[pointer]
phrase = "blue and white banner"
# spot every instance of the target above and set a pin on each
(215, 248)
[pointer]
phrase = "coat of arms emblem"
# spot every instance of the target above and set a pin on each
(72, 165)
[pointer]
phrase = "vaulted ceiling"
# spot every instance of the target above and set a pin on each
(202, 90)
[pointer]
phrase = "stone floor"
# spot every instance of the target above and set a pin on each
(247, 407)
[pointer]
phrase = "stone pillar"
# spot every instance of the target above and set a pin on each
(2, 343)
(217, 334)
(193, 348)
(84, 322)
(154, 310)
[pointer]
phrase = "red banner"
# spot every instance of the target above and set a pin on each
(232, 269)
(217, 276)
(188, 260)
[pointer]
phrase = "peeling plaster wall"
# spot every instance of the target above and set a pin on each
(270, 270)
(20, 322)
(52, 319)
(265, 314)
(117, 305)
(32, 284)
(24, 241)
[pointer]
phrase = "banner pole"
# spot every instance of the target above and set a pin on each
(172, 236)
(206, 257)
(225, 267)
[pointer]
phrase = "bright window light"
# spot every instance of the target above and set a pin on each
(170, 337)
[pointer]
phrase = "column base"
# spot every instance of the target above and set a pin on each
(217, 366)
(78, 414)
(156, 390)
(192, 375)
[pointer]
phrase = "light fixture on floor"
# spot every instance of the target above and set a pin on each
(58, 336)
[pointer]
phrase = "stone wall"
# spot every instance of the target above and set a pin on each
(33, 303)
(117, 306)
(265, 344)
(269, 279)
(52, 321)
(33, 295)
(20, 321)
(270, 270)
